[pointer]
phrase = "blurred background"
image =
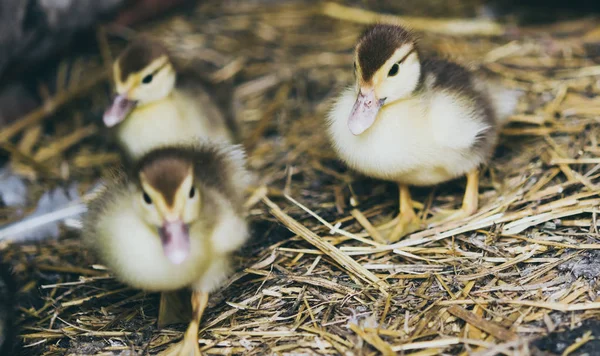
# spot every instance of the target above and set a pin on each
(37, 34)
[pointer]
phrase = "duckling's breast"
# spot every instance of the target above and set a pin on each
(133, 252)
(174, 120)
(418, 141)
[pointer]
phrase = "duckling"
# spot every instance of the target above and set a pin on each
(173, 224)
(159, 103)
(415, 120)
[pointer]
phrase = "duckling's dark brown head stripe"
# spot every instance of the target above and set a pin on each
(377, 44)
(166, 168)
(138, 55)
(165, 174)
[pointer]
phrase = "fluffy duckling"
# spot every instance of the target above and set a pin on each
(158, 103)
(173, 224)
(414, 120)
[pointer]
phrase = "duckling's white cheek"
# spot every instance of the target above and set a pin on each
(164, 83)
(149, 214)
(386, 90)
(192, 211)
(145, 93)
(403, 84)
(160, 87)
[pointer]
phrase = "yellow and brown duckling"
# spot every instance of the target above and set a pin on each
(414, 120)
(159, 103)
(173, 223)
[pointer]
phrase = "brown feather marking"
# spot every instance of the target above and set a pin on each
(377, 44)
(212, 169)
(454, 78)
(138, 55)
(166, 175)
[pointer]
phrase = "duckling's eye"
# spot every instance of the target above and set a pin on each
(147, 79)
(147, 198)
(394, 70)
(192, 192)
(354, 66)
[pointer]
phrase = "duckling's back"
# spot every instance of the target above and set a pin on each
(449, 79)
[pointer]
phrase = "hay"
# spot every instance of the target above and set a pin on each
(317, 277)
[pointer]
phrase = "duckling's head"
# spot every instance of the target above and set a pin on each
(387, 69)
(143, 73)
(168, 198)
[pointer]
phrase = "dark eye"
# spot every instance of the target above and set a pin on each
(354, 65)
(147, 79)
(394, 70)
(192, 192)
(147, 198)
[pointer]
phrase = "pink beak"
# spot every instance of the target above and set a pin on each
(118, 111)
(175, 240)
(364, 112)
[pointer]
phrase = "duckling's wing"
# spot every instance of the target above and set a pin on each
(238, 174)
(215, 100)
(504, 100)
(194, 76)
(206, 101)
(482, 90)
(115, 184)
(442, 74)
(462, 114)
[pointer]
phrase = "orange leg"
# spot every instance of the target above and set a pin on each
(408, 221)
(189, 345)
(471, 199)
(470, 202)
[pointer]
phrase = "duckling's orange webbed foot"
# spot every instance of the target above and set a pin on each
(189, 345)
(406, 224)
(407, 221)
(470, 202)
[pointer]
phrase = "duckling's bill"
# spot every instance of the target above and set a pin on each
(118, 111)
(171, 202)
(364, 112)
(175, 239)
(387, 84)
